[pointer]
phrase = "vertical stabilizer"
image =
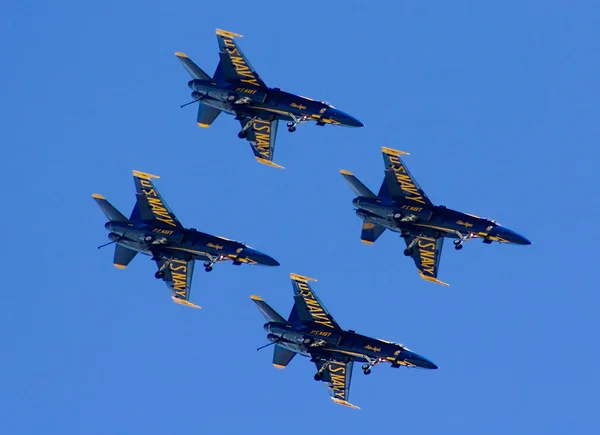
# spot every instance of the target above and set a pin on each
(269, 313)
(193, 70)
(355, 184)
(111, 213)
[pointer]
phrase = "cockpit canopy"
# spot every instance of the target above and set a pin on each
(484, 218)
(394, 343)
(322, 102)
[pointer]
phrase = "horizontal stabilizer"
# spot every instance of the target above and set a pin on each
(111, 213)
(123, 256)
(356, 185)
(193, 70)
(371, 232)
(206, 115)
(282, 357)
(269, 313)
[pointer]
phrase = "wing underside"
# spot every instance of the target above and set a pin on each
(426, 252)
(152, 208)
(337, 377)
(261, 136)
(399, 181)
(235, 68)
(178, 277)
(309, 309)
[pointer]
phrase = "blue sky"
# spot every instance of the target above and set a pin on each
(497, 105)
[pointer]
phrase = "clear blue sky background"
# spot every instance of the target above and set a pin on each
(497, 105)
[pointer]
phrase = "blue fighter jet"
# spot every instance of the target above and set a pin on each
(154, 230)
(237, 89)
(312, 331)
(402, 206)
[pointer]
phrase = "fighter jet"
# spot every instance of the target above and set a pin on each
(237, 89)
(402, 206)
(313, 332)
(153, 229)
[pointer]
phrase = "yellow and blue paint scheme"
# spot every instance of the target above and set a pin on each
(402, 206)
(236, 88)
(312, 331)
(153, 229)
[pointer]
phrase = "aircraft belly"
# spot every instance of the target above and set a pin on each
(132, 244)
(379, 220)
(294, 347)
(221, 105)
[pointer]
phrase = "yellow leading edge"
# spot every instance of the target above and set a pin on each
(297, 277)
(366, 242)
(144, 175)
(97, 196)
(180, 54)
(268, 163)
(186, 303)
(119, 266)
(344, 402)
(432, 279)
(345, 172)
(393, 152)
(227, 34)
(256, 298)
(203, 125)
(278, 366)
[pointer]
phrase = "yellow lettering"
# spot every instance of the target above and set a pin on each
(181, 266)
(252, 82)
(339, 368)
(265, 126)
(315, 309)
(405, 181)
(429, 245)
(145, 183)
(426, 261)
(169, 221)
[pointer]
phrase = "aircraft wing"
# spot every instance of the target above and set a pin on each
(399, 181)
(235, 67)
(310, 311)
(178, 277)
(152, 208)
(337, 377)
(427, 253)
(261, 136)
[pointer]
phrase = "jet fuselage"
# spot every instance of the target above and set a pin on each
(342, 344)
(404, 215)
(271, 103)
(183, 245)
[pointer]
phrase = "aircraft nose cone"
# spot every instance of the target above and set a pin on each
(260, 258)
(418, 360)
(511, 236)
(343, 118)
